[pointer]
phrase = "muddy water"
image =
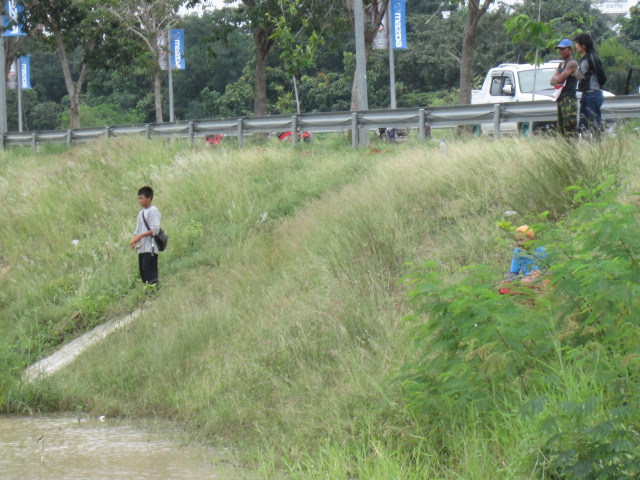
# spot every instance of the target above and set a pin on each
(65, 447)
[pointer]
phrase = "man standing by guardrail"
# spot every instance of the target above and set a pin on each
(565, 79)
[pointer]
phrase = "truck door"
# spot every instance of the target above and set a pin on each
(502, 87)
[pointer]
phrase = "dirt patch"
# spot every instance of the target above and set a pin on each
(376, 150)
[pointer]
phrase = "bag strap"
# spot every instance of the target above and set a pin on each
(145, 221)
(153, 237)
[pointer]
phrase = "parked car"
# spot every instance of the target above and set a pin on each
(513, 82)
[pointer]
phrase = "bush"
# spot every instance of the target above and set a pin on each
(102, 115)
(567, 356)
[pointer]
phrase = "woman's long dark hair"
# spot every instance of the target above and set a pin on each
(585, 40)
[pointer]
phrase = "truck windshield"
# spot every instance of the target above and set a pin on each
(542, 79)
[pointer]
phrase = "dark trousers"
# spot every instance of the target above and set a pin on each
(590, 114)
(148, 268)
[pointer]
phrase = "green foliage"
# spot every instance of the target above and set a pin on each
(617, 59)
(570, 351)
(296, 38)
(533, 33)
(100, 115)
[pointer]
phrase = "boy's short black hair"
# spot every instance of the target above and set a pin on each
(146, 191)
(585, 40)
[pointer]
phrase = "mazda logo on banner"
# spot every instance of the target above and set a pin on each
(399, 23)
(11, 25)
(176, 48)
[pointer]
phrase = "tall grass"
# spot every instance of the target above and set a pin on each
(279, 323)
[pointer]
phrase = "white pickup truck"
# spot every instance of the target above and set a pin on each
(513, 82)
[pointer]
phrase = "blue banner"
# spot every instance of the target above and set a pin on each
(399, 23)
(11, 25)
(24, 72)
(176, 47)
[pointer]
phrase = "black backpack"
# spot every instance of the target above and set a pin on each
(596, 65)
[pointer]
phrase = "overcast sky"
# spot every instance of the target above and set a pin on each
(208, 5)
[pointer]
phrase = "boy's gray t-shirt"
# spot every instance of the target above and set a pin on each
(153, 217)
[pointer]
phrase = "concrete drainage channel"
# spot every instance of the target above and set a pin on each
(67, 354)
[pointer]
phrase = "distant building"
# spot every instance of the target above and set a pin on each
(616, 8)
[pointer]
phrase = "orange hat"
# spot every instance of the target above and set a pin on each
(527, 230)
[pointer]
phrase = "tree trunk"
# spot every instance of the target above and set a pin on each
(157, 92)
(263, 46)
(466, 59)
(73, 89)
(74, 109)
(469, 36)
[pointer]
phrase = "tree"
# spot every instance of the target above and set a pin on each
(255, 16)
(298, 39)
(568, 17)
(70, 26)
(259, 18)
(211, 65)
(149, 20)
(475, 10)
(534, 34)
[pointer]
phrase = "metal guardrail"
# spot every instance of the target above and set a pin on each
(614, 108)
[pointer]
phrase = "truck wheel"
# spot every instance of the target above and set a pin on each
(477, 131)
(524, 129)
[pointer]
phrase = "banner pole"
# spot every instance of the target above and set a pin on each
(171, 117)
(19, 74)
(392, 66)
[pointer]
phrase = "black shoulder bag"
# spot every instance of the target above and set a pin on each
(161, 238)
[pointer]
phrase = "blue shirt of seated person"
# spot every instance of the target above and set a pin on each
(525, 263)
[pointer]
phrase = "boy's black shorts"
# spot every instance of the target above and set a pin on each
(148, 268)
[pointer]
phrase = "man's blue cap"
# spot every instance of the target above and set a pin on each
(565, 42)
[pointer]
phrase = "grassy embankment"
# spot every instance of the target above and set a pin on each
(279, 322)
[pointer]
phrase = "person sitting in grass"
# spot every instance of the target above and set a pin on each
(525, 264)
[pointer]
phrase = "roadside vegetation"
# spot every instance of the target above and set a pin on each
(332, 314)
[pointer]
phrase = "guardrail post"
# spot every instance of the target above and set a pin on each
(4, 141)
(191, 132)
(354, 130)
(147, 131)
(69, 137)
(34, 141)
(107, 132)
(294, 130)
(240, 132)
(496, 120)
(422, 134)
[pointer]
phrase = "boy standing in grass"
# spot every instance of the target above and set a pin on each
(147, 226)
